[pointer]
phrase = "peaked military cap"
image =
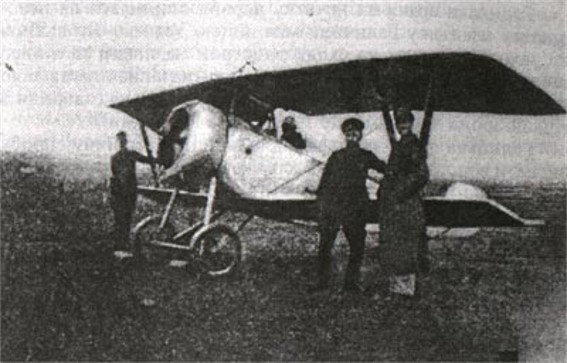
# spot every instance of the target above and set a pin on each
(403, 114)
(352, 123)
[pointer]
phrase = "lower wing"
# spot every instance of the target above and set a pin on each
(439, 211)
(464, 213)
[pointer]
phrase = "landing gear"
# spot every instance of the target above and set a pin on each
(220, 250)
(146, 234)
(215, 246)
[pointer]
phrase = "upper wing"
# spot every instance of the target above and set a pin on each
(464, 82)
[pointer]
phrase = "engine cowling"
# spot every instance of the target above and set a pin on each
(194, 139)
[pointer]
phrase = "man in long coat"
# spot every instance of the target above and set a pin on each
(403, 241)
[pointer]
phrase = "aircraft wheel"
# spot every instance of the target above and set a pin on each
(219, 248)
(148, 230)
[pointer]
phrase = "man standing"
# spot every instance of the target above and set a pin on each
(403, 241)
(343, 201)
(123, 189)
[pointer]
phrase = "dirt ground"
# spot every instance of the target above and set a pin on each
(498, 295)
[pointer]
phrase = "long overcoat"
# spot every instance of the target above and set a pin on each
(402, 219)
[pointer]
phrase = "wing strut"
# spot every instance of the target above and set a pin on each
(149, 152)
(428, 116)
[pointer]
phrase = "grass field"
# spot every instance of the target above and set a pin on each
(64, 298)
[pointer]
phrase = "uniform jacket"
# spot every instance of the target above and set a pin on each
(295, 139)
(123, 167)
(342, 190)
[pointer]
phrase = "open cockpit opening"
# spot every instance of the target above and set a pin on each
(174, 136)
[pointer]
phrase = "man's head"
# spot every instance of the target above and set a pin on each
(122, 139)
(288, 124)
(352, 129)
(404, 120)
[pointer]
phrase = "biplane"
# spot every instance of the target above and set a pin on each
(219, 148)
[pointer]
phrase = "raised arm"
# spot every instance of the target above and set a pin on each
(426, 126)
(389, 125)
(428, 115)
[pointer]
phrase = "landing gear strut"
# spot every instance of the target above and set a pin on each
(215, 246)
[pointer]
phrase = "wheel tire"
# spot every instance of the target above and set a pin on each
(219, 249)
(148, 230)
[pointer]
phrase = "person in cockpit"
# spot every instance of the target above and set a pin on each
(290, 134)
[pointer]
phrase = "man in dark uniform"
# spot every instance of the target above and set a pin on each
(343, 201)
(123, 189)
(290, 134)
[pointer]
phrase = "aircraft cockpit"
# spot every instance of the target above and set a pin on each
(173, 136)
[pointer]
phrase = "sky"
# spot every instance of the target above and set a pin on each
(63, 63)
